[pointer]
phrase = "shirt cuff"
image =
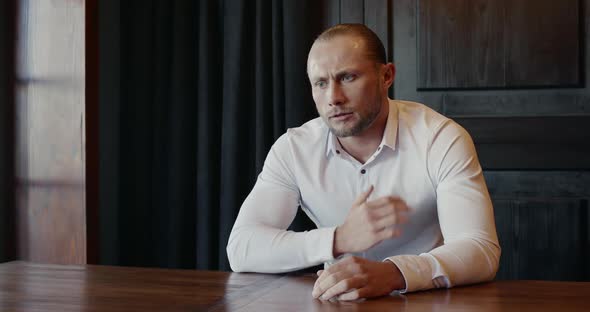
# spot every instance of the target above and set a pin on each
(319, 245)
(420, 272)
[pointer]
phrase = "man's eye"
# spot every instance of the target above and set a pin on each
(348, 78)
(321, 84)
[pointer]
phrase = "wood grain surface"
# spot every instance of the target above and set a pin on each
(498, 44)
(41, 287)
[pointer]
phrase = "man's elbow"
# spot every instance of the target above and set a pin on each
(235, 266)
(235, 262)
(492, 252)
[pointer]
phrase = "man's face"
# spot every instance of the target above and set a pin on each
(347, 86)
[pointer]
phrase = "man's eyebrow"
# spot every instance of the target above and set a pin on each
(316, 77)
(339, 74)
(345, 71)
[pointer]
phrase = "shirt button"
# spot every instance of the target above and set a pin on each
(337, 152)
(363, 171)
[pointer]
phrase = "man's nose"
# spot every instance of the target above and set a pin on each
(336, 94)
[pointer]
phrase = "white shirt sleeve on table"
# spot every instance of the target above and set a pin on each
(259, 241)
(471, 251)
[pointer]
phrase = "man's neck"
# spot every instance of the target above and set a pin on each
(362, 146)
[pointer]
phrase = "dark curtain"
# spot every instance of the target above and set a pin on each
(192, 96)
(6, 122)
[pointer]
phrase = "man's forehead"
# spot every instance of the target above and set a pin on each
(338, 42)
(335, 52)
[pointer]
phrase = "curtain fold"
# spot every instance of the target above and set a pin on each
(192, 96)
(208, 103)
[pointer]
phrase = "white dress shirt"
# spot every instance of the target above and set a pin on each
(424, 158)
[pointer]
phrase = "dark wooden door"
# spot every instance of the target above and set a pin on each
(513, 74)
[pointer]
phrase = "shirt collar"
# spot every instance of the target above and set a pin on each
(331, 143)
(389, 134)
(391, 127)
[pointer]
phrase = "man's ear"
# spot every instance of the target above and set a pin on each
(388, 75)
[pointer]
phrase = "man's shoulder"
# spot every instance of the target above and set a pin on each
(419, 113)
(418, 117)
(308, 134)
(310, 131)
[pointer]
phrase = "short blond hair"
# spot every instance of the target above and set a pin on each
(374, 47)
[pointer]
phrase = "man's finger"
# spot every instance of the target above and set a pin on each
(389, 233)
(385, 201)
(344, 286)
(391, 220)
(346, 265)
(363, 197)
(356, 294)
(327, 281)
(325, 273)
(333, 269)
(386, 210)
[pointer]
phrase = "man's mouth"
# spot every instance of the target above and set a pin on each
(340, 115)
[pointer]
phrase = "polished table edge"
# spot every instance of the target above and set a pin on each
(247, 289)
(277, 277)
(241, 296)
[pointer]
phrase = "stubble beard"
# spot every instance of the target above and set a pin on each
(362, 124)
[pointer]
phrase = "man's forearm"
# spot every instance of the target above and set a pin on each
(463, 261)
(338, 248)
(270, 250)
(398, 279)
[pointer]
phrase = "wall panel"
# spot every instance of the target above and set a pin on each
(543, 223)
(352, 11)
(498, 44)
(459, 44)
(542, 43)
(543, 239)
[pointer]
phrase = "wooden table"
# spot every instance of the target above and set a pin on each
(40, 287)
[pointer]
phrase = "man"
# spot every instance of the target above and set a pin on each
(392, 183)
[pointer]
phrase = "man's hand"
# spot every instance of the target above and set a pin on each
(355, 278)
(369, 223)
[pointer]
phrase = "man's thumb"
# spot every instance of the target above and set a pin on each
(363, 197)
